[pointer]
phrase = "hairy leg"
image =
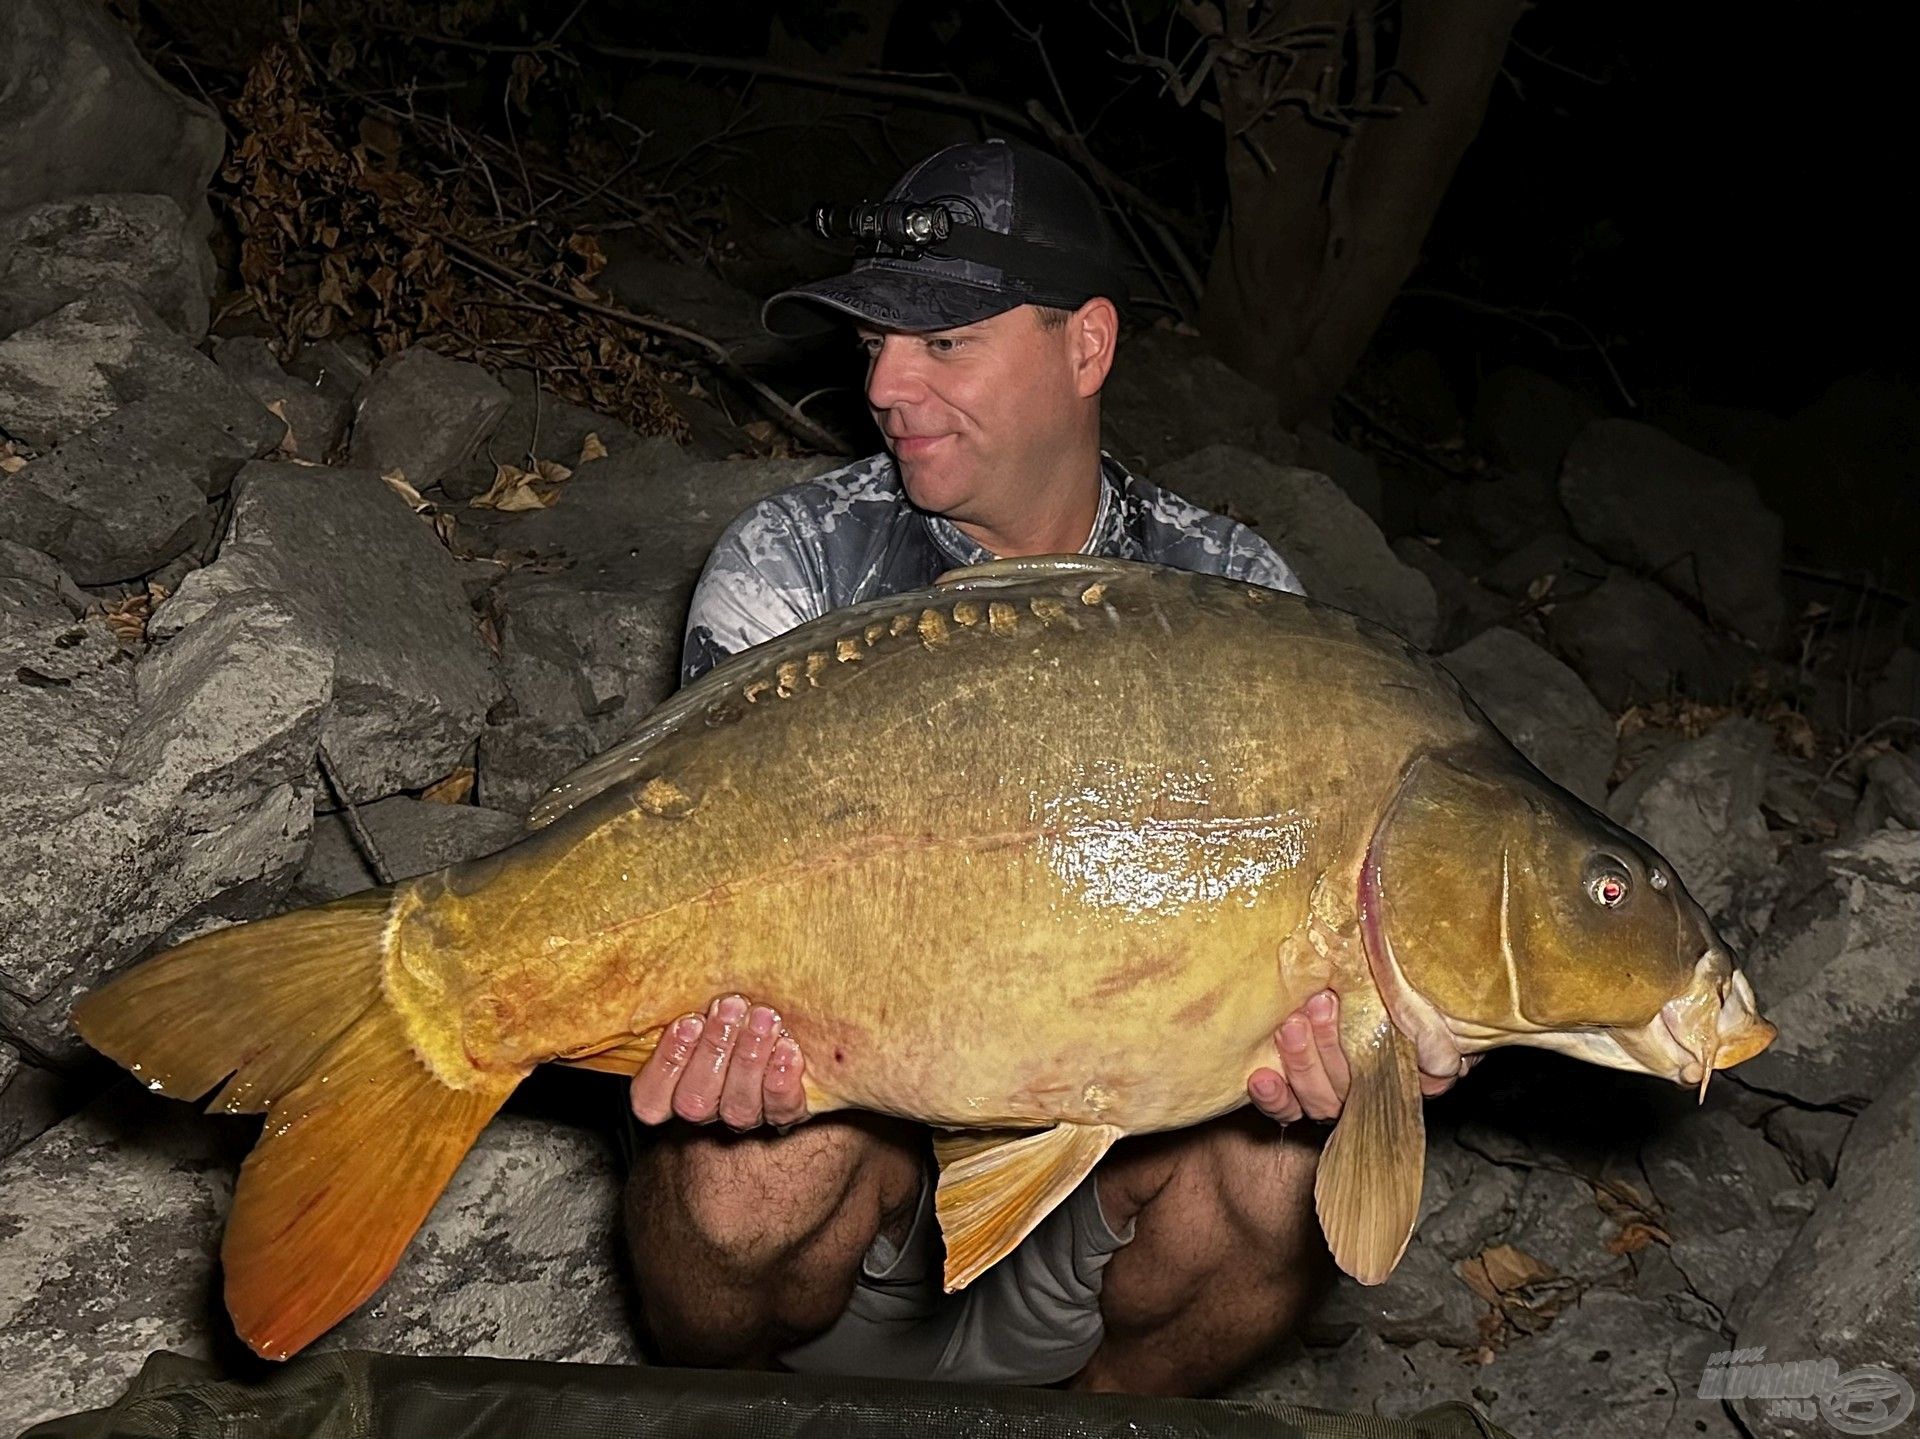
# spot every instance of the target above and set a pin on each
(745, 1244)
(1226, 1256)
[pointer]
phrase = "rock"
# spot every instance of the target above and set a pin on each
(1847, 455)
(424, 415)
(413, 677)
(1422, 1299)
(1168, 397)
(1540, 705)
(1698, 803)
(111, 1222)
(59, 251)
(32, 1100)
(85, 115)
(1463, 608)
(338, 368)
(698, 300)
(313, 416)
(1896, 777)
(1346, 467)
(1632, 641)
(1558, 1221)
(413, 836)
(1643, 499)
(90, 358)
(1339, 554)
(146, 797)
(1896, 693)
(1478, 520)
(1835, 972)
(1524, 422)
(538, 424)
(1810, 1139)
(1718, 1183)
(1848, 1289)
(520, 760)
(1423, 395)
(40, 572)
(1556, 560)
(1611, 1364)
(129, 492)
(598, 641)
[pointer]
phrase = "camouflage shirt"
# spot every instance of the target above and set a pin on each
(852, 534)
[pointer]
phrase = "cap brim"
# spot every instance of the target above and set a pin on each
(885, 298)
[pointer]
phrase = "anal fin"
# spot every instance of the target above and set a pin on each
(1367, 1191)
(996, 1185)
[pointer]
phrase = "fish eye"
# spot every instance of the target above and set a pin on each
(1657, 878)
(1608, 883)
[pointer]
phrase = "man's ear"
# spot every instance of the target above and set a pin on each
(1093, 331)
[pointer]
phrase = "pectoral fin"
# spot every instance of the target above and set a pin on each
(996, 1185)
(1368, 1187)
(623, 1056)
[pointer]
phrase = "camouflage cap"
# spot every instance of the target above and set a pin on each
(1025, 230)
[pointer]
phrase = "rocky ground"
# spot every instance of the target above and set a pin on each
(240, 587)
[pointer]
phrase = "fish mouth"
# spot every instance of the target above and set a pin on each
(1714, 1024)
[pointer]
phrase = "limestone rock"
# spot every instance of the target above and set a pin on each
(129, 492)
(111, 1222)
(1645, 500)
(424, 415)
(540, 425)
(1463, 608)
(313, 416)
(86, 115)
(90, 358)
(58, 251)
(413, 677)
(596, 641)
(413, 836)
(1836, 973)
(1540, 705)
(1630, 641)
(1848, 1289)
(1698, 803)
(1168, 397)
(34, 572)
(141, 798)
(1525, 423)
(1340, 555)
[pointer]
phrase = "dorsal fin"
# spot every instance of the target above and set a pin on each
(1038, 567)
(624, 759)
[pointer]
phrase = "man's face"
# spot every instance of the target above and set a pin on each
(974, 413)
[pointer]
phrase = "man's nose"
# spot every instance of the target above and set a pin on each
(892, 376)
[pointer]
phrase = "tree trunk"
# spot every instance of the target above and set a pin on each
(1325, 220)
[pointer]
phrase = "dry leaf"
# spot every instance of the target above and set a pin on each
(415, 501)
(512, 489)
(454, 789)
(278, 409)
(591, 449)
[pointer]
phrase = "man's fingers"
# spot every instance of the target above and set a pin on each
(1273, 1098)
(652, 1092)
(697, 1097)
(740, 1106)
(1431, 1085)
(786, 1096)
(1323, 1013)
(1306, 1072)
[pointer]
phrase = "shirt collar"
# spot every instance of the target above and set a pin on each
(1104, 538)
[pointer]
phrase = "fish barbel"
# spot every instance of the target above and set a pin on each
(983, 846)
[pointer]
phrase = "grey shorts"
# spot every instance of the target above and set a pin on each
(1034, 1318)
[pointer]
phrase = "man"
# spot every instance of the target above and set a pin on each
(1183, 1256)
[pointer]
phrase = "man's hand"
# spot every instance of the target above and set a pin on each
(1316, 1078)
(736, 1064)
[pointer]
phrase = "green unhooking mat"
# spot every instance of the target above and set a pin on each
(353, 1395)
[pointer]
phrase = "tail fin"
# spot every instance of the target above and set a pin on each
(361, 1136)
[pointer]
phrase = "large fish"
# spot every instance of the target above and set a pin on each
(984, 846)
